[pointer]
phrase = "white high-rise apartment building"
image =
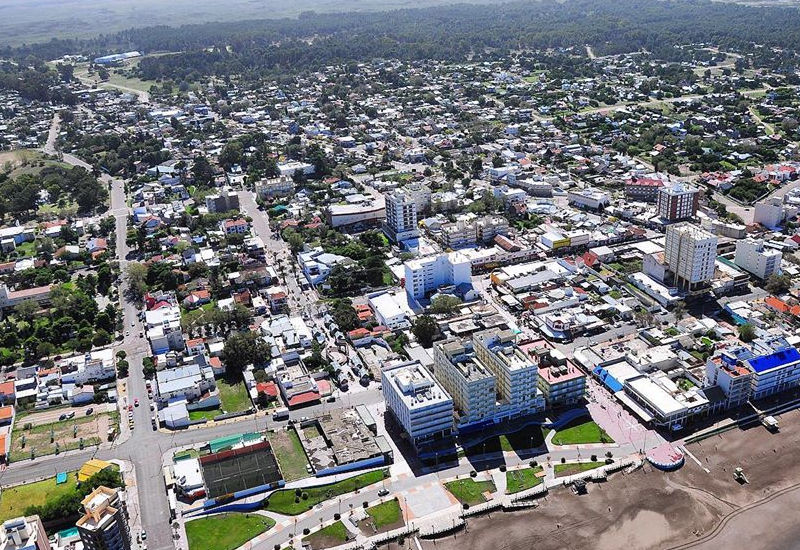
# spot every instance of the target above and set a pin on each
(424, 275)
(489, 378)
(756, 259)
(419, 404)
(690, 254)
(401, 216)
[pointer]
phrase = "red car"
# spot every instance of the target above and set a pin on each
(136, 402)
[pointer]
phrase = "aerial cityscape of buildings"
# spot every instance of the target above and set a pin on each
(368, 303)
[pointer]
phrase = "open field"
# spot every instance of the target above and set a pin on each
(290, 454)
(651, 509)
(287, 502)
(14, 500)
(225, 531)
(62, 435)
(526, 438)
(25, 161)
(469, 491)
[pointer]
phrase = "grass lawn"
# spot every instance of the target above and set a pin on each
(527, 438)
(385, 513)
(332, 535)
(14, 500)
(469, 491)
(290, 454)
(580, 433)
(520, 480)
(26, 249)
(208, 414)
(234, 396)
(286, 502)
(562, 470)
(225, 531)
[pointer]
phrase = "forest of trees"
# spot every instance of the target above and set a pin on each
(21, 196)
(260, 48)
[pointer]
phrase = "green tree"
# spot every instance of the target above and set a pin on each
(424, 329)
(137, 280)
(747, 333)
(202, 172)
(778, 284)
(445, 304)
(242, 349)
(27, 309)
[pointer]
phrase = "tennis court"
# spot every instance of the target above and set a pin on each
(238, 469)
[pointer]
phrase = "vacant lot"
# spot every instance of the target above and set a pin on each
(47, 439)
(290, 454)
(207, 414)
(469, 491)
(14, 500)
(234, 396)
(225, 531)
(581, 432)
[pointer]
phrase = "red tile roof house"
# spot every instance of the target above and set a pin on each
(7, 394)
(270, 389)
(235, 226)
(197, 298)
(196, 346)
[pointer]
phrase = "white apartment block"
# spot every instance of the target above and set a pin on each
(517, 375)
(756, 259)
(690, 254)
(417, 401)
(420, 194)
(489, 378)
(459, 234)
(275, 187)
(488, 227)
(467, 380)
(424, 275)
(769, 213)
(401, 217)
